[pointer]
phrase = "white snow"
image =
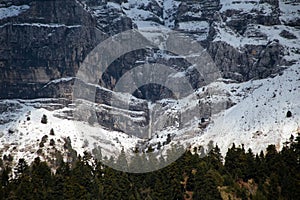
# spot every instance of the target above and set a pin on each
(114, 5)
(246, 6)
(199, 26)
(169, 9)
(270, 32)
(43, 25)
(28, 133)
(134, 11)
(146, 25)
(263, 110)
(290, 10)
(59, 80)
(12, 11)
(193, 14)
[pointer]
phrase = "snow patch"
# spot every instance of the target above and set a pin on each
(60, 80)
(12, 11)
(290, 10)
(246, 6)
(43, 25)
(197, 26)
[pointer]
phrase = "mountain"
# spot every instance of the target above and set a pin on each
(252, 46)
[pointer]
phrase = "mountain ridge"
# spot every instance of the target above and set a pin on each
(253, 44)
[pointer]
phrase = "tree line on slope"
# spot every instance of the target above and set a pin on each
(240, 175)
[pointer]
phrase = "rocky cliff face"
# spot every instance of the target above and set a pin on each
(46, 41)
(205, 21)
(49, 40)
(249, 62)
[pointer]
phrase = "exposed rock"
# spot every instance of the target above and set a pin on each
(269, 60)
(253, 61)
(110, 20)
(42, 44)
(46, 43)
(203, 10)
(266, 12)
(287, 34)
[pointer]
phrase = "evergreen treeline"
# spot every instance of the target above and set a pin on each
(240, 175)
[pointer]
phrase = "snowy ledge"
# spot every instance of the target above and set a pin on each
(12, 11)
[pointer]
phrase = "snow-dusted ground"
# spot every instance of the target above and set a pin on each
(199, 26)
(270, 32)
(12, 11)
(21, 136)
(290, 10)
(245, 6)
(259, 117)
(43, 25)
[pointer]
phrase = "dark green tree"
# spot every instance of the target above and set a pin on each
(44, 119)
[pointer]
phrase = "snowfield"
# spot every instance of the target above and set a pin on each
(21, 136)
(259, 117)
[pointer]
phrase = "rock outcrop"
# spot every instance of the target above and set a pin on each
(250, 62)
(48, 41)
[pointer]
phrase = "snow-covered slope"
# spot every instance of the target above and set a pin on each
(22, 135)
(253, 113)
(259, 117)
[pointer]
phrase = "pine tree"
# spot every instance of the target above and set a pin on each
(121, 162)
(97, 153)
(21, 169)
(52, 131)
(201, 151)
(25, 188)
(153, 163)
(215, 158)
(138, 162)
(5, 176)
(277, 175)
(261, 167)
(273, 187)
(83, 176)
(250, 171)
(41, 178)
(44, 119)
(236, 162)
(289, 173)
(271, 159)
(206, 187)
